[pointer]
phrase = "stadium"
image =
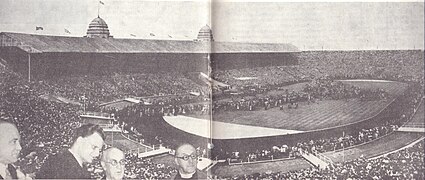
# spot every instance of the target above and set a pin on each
(253, 110)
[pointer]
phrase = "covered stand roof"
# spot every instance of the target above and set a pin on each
(45, 43)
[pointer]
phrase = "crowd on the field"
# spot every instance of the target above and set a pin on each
(406, 105)
(317, 90)
(329, 89)
(404, 164)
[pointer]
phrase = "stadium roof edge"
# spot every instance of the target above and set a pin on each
(46, 43)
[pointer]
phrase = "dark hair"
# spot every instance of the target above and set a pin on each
(87, 130)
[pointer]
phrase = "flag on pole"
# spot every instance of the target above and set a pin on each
(152, 34)
(101, 3)
(38, 28)
(67, 31)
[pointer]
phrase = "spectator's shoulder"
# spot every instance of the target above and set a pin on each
(61, 157)
(202, 175)
(53, 165)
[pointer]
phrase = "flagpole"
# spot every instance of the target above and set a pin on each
(29, 66)
(98, 9)
(343, 153)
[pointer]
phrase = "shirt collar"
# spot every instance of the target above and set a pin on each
(187, 176)
(3, 168)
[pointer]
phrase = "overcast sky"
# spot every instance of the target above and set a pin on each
(309, 26)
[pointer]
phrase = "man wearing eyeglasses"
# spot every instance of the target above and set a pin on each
(113, 162)
(69, 164)
(187, 160)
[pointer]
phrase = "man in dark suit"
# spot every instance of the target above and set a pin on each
(69, 164)
(186, 158)
(10, 148)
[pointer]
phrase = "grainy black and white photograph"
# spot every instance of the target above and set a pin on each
(211, 89)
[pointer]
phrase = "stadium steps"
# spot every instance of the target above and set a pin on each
(205, 163)
(314, 160)
(211, 165)
(155, 152)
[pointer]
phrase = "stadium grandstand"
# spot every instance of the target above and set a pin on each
(304, 114)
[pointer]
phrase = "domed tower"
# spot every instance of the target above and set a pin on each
(98, 29)
(205, 34)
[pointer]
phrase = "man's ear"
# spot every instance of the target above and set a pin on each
(80, 139)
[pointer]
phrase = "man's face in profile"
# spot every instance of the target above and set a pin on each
(91, 148)
(10, 146)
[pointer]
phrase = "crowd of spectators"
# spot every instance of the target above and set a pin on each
(324, 88)
(93, 90)
(46, 126)
(273, 75)
(146, 169)
(404, 164)
(136, 168)
(389, 65)
(311, 146)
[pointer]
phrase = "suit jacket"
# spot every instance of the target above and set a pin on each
(12, 171)
(62, 166)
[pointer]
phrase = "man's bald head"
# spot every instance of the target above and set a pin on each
(184, 148)
(9, 143)
(111, 151)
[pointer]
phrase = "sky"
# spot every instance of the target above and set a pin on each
(309, 26)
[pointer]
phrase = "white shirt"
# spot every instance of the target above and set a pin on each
(3, 169)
